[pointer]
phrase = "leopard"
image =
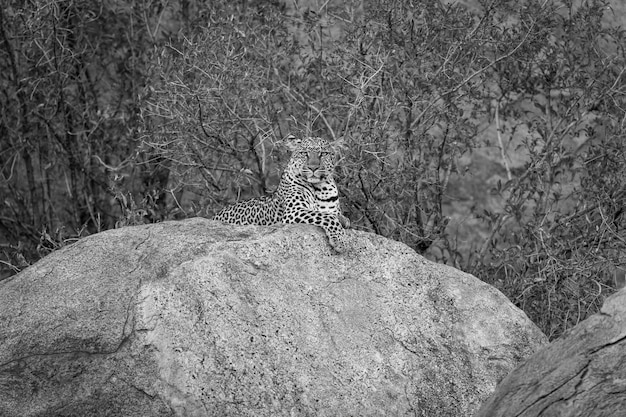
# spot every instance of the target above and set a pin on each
(306, 193)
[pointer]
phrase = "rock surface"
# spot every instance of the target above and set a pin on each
(583, 373)
(196, 318)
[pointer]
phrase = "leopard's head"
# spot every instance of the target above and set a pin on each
(312, 159)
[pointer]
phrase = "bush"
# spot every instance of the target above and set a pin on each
(71, 73)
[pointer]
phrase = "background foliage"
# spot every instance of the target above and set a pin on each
(488, 135)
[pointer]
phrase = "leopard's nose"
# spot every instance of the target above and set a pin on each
(313, 160)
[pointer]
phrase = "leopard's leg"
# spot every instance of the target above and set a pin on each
(327, 221)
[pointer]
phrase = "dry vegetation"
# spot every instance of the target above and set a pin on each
(489, 138)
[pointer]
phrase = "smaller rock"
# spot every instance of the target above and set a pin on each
(582, 374)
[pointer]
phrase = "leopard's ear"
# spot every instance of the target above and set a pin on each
(291, 142)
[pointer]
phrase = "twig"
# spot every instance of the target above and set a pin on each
(501, 143)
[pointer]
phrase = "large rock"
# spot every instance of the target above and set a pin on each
(196, 318)
(582, 374)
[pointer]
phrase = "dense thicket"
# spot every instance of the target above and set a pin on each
(491, 138)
